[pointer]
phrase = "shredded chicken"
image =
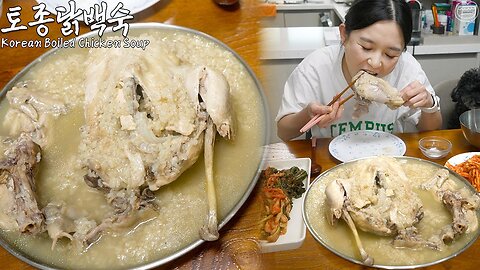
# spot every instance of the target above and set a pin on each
(30, 111)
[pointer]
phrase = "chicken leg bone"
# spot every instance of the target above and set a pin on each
(214, 92)
(335, 192)
(209, 231)
(367, 260)
(58, 226)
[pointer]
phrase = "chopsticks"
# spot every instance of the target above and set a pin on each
(317, 118)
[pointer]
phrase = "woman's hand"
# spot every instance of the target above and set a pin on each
(328, 113)
(289, 126)
(416, 96)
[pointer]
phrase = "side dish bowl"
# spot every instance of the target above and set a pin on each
(434, 147)
(296, 230)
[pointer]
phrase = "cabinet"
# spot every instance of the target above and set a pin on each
(312, 18)
(302, 18)
(274, 21)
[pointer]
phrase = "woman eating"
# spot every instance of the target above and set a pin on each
(373, 40)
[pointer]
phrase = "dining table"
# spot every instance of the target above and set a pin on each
(238, 247)
(311, 254)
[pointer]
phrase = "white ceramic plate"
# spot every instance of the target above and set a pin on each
(366, 143)
(296, 228)
(134, 6)
(455, 160)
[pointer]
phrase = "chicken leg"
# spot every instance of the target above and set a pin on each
(371, 88)
(365, 257)
(209, 231)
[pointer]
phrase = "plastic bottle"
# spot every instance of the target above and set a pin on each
(449, 22)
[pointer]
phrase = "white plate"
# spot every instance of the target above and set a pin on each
(296, 230)
(134, 6)
(366, 143)
(455, 160)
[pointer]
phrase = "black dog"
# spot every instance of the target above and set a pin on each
(466, 95)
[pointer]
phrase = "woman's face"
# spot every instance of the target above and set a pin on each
(375, 49)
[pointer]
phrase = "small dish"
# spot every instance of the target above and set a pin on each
(366, 143)
(469, 171)
(434, 147)
(296, 229)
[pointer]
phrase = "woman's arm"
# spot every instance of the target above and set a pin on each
(288, 127)
(430, 118)
(430, 121)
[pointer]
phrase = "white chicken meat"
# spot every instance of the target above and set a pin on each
(368, 88)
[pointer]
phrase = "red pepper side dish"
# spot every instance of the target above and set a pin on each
(469, 169)
(279, 187)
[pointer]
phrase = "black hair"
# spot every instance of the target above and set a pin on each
(364, 13)
(466, 96)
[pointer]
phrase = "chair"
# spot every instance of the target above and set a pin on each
(444, 91)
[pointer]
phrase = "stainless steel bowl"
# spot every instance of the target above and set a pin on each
(136, 29)
(311, 217)
(470, 124)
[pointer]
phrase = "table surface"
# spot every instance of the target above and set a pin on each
(237, 27)
(312, 255)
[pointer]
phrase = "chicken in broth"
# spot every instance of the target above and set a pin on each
(394, 212)
(127, 157)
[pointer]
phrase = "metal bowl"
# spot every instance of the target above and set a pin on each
(329, 237)
(138, 29)
(470, 124)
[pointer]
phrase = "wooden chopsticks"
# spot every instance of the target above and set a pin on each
(317, 118)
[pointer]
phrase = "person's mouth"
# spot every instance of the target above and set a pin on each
(370, 72)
